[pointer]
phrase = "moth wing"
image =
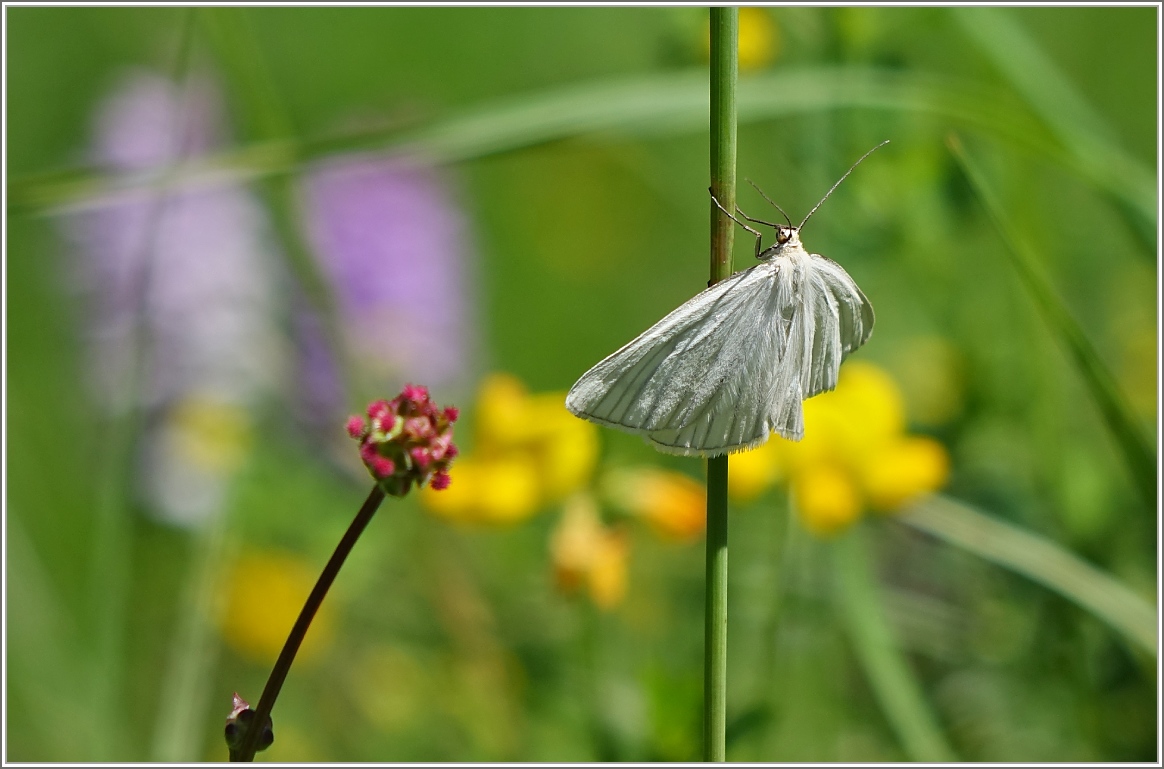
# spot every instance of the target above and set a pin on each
(842, 321)
(698, 382)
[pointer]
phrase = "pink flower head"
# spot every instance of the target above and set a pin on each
(410, 441)
(356, 427)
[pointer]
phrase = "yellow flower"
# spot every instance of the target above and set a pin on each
(264, 596)
(509, 493)
(500, 411)
(871, 409)
(825, 499)
(608, 571)
(758, 39)
(211, 434)
(587, 553)
(751, 472)
(855, 453)
(530, 452)
(904, 470)
(457, 502)
(568, 451)
(490, 490)
(674, 505)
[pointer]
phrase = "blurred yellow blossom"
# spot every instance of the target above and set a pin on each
(758, 39)
(825, 498)
(498, 490)
(903, 469)
(265, 593)
(673, 504)
(587, 553)
(211, 433)
(751, 472)
(855, 454)
(529, 452)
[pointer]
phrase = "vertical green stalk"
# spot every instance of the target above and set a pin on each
(724, 28)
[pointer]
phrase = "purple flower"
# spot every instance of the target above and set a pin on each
(194, 267)
(393, 247)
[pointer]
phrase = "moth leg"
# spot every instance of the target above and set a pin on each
(737, 221)
(758, 221)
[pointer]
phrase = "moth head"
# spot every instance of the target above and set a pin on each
(787, 238)
(787, 235)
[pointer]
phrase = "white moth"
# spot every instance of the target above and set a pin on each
(735, 362)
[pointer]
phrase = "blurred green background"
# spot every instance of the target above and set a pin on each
(571, 145)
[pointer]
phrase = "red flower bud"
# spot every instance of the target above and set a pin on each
(415, 393)
(440, 480)
(356, 427)
(382, 467)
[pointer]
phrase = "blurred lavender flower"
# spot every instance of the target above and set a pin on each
(194, 267)
(393, 247)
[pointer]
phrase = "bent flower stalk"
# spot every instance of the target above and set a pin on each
(404, 441)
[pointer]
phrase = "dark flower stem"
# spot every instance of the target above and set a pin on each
(250, 742)
(724, 26)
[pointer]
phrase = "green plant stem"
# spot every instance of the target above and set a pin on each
(250, 741)
(724, 28)
(715, 616)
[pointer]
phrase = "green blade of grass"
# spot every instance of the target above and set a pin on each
(1114, 406)
(664, 104)
(1038, 559)
(893, 682)
(1055, 99)
(185, 688)
(46, 659)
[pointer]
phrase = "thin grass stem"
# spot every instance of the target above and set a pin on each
(724, 72)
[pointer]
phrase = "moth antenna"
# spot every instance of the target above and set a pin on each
(770, 200)
(838, 184)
